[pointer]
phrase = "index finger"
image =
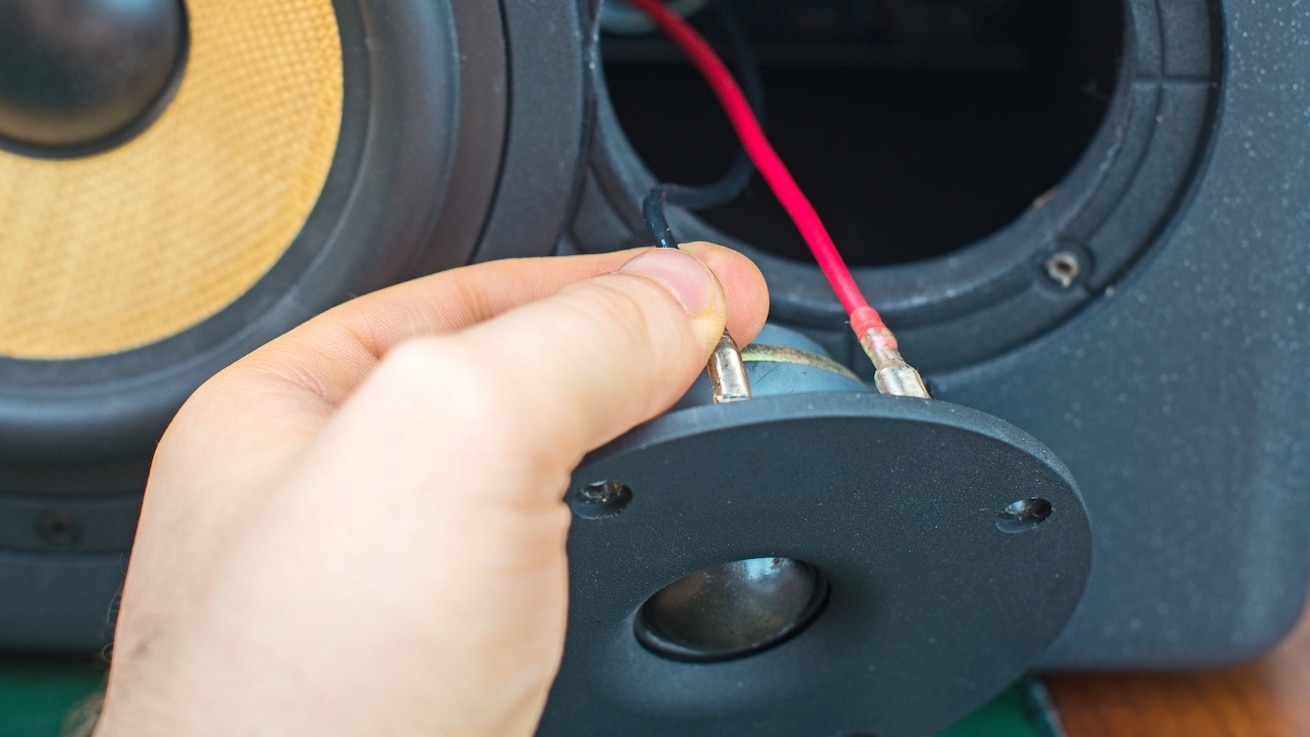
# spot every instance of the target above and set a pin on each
(330, 355)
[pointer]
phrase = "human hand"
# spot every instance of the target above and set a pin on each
(359, 529)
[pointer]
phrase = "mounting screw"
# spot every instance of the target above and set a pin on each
(1023, 515)
(601, 499)
(1063, 268)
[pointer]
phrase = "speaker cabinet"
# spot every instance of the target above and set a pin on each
(1089, 223)
(1143, 314)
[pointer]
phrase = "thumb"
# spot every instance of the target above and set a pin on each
(406, 573)
(434, 496)
(612, 351)
(545, 382)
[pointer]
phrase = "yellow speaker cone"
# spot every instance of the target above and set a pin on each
(127, 247)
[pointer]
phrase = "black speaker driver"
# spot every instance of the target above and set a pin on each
(441, 143)
(948, 548)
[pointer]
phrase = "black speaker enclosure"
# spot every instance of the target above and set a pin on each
(1168, 377)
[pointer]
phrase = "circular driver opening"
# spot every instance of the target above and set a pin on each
(916, 127)
(732, 609)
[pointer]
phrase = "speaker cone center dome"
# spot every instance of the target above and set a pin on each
(84, 74)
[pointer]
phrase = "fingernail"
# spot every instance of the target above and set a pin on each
(689, 279)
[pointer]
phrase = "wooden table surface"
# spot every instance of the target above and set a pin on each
(1269, 698)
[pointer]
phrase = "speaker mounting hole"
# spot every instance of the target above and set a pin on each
(1022, 515)
(915, 130)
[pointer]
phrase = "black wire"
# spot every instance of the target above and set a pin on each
(738, 176)
(652, 210)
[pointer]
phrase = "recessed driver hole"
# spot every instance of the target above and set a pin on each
(1023, 514)
(916, 127)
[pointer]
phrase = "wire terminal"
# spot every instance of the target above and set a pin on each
(728, 372)
(892, 374)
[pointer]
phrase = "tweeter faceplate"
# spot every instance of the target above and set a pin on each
(939, 597)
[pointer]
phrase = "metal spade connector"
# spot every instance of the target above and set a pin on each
(728, 372)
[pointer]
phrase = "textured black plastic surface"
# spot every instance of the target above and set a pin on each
(1171, 375)
(547, 44)
(933, 608)
(1179, 398)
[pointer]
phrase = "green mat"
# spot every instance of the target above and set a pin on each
(35, 694)
(1022, 711)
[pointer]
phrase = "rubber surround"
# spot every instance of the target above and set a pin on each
(993, 295)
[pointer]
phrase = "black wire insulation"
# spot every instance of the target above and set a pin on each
(731, 184)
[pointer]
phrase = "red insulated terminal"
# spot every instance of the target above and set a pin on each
(892, 374)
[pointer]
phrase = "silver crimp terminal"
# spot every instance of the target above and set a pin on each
(728, 372)
(892, 374)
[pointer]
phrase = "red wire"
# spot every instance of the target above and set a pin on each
(863, 317)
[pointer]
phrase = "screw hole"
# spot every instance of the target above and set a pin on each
(1023, 515)
(600, 499)
(59, 528)
(1063, 268)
